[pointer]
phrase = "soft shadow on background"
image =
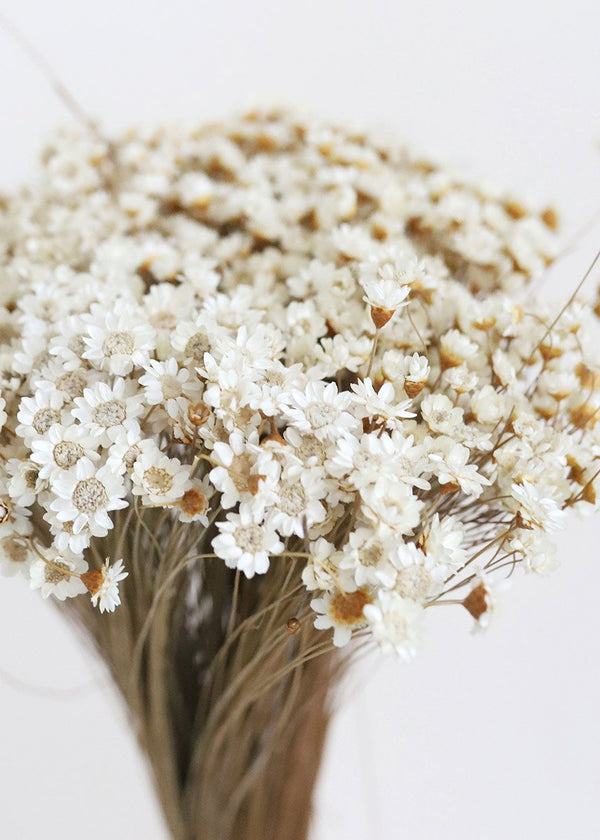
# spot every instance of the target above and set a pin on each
(492, 736)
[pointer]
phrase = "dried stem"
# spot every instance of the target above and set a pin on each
(230, 707)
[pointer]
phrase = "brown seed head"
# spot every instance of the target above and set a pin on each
(588, 493)
(588, 378)
(550, 352)
(485, 325)
(576, 471)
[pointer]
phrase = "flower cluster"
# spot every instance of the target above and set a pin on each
(301, 342)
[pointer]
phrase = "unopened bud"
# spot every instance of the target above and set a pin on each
(293, 626)
(476, 602)
(198, 414)
(92, 580)
(380, 316)
(413, 389)
(449, 487)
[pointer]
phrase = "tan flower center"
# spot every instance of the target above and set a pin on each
(66, 454)
(164, 320)
(171, 387)
(77, 346)
(193, 503)
(111, 413)
(371, 555)
(118, 344)
(158, 481)
(249, 538)
(292, 499)
(196, 347)
(321, 414)
(44, 419)
(14, 548)
(414, 582)
(56, 572)
(89, 496)
(131, 456)
(72, 383)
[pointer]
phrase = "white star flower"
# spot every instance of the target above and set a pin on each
(58, 574)
(246, 544)
(84, 498)
(105, 410)
(396, 624)
(103, 585)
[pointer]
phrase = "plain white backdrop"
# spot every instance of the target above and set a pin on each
(488, 737)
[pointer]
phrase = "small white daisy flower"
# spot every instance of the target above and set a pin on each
(536, 510)
(85, 497)
(246, 544)
(320, 409)
(158, 479)
(396, 624)
(61, 448)
(58, 574)
(103, 585)
(39, 413)
(117, 342)
(172, 387)
(105, 410)
(342, 611)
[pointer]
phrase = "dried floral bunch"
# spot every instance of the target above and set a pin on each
(307, 339)
(280, 348)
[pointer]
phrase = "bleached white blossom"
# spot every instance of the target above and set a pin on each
(116, 342)
(246, 544)
(84, 498)
(58, 575)
(396, 624)
(105, 592)
(158, 479)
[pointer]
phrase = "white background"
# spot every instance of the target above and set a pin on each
(488, 737)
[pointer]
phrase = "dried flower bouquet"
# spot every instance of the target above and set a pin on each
(269, 387)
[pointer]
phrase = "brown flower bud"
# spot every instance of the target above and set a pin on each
(347, 607)
(550, 352)
(550, 218)
(198, 413)
(92, 580)
(584, 415)
(413, 389)
(515, 210)
(193, 502)
(476, 601)
(449, 487)
(293, 626)
(380, 316)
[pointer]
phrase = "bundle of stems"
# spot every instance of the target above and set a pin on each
(227, 683)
